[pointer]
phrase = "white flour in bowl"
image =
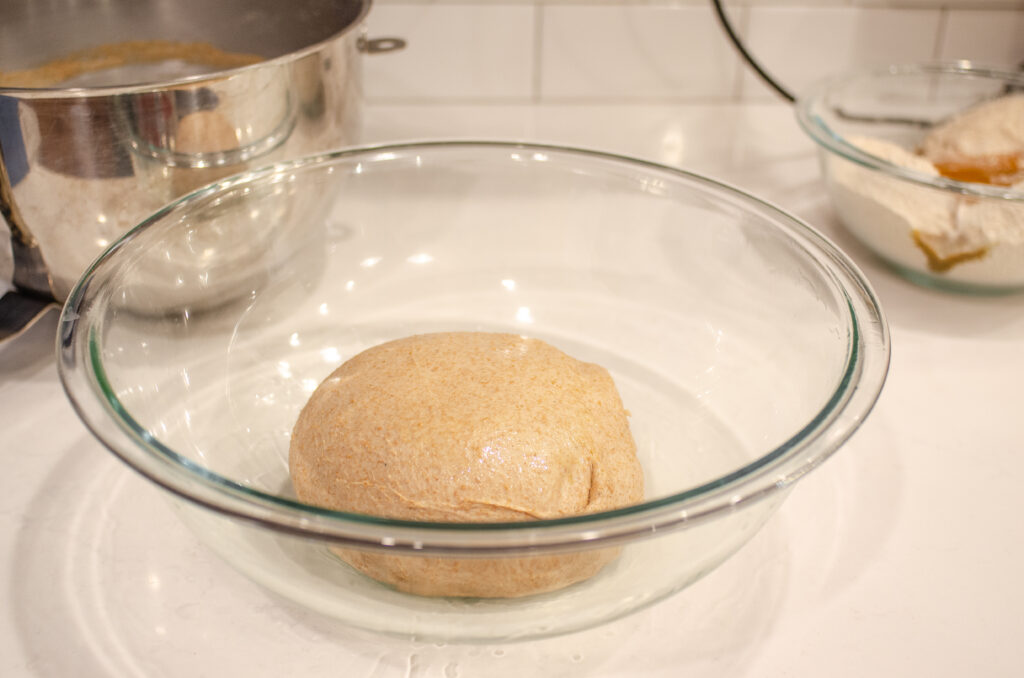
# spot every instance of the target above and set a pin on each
(990, 129)
(962, 238)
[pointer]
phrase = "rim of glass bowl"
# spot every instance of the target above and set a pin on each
(808, 114)
(867, 360)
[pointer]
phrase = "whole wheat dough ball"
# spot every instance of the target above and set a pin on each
(467, 427)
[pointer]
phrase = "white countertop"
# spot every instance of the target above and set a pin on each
(901, 556)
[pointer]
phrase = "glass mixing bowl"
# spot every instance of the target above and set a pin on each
(745, 345)
(935, 230)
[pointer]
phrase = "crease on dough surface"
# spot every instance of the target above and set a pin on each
(457, 510)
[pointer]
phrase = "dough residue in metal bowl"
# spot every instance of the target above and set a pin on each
(112, 56)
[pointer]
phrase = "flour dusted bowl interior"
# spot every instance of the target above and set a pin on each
(745, 347)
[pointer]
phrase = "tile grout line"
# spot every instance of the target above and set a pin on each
(566, 100)
(538, 52)
(940, 33)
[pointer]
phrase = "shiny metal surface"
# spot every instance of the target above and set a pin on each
(86, 159)
(33, 32)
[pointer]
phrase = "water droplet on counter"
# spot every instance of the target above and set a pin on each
(451, 670)
(577, 657)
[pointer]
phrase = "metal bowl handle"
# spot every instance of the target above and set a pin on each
(380, 45)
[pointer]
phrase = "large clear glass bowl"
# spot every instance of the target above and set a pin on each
(745, 345)
(978, 246)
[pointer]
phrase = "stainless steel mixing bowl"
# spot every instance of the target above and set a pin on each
(110, 109)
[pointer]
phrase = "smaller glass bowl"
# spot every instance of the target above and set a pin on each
(895, 210)
(745, 345)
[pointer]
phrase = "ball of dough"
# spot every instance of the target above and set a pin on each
(467, 427)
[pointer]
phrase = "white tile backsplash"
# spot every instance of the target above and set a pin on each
(799, 46)
(650, 51)
(995, 38)
(453, 52)
(634, 52)
(925, 4)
